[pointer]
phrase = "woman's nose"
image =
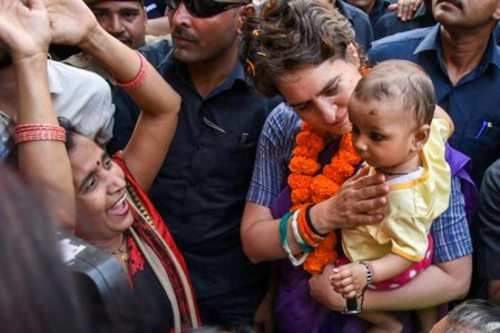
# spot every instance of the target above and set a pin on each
(327, 110)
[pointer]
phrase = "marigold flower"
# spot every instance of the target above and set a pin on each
(300, 195)
(307, 186)
(299, 181)
(303, 165)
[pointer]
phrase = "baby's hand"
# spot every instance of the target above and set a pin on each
(349, 280)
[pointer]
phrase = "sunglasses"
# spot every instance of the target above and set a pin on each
(206, 8)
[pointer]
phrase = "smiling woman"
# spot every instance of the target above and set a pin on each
(113, 210)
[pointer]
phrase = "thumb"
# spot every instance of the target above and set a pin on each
(393, 7)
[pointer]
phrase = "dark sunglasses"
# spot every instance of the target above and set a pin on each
(206, 8)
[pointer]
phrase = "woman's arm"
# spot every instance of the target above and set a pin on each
(362, 200)
(438, 284)
(159, 103)
(24, 30)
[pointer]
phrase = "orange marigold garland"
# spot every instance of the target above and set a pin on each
(308, 186)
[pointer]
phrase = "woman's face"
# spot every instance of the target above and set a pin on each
(102, 207)
(320, 94)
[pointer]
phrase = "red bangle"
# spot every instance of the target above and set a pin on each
(138, 80)
(39, 132)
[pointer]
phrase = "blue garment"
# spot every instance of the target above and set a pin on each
(359, 21)
(379, 9)
(154, 8)
(473, 103)
(389, 24)
(201, 187)
(450, 231)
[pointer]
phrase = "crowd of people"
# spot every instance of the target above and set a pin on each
(269, 166)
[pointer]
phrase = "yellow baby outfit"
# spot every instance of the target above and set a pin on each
(414, 203)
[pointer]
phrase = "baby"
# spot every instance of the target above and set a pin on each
(395, 132)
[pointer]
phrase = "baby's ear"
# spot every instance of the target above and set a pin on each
(420, 137)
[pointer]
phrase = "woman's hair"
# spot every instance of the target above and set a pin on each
(290, 34)
(403, 81)
(36, 291)
(474, 316)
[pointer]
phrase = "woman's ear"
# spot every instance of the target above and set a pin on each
(352, 55)
(420, 137)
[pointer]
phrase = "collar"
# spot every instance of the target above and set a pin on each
(54, 79)
(421, 11)
(432, 42)
(380, 5)
(171, 64)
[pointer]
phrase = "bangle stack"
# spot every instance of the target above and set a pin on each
(138, 80)
(39, 132)
(303, 231)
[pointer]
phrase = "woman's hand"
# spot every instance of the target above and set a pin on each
(72, 22)
(406, 8)
(24, 28)
(349, 280)
(361, 200)
(320, 289)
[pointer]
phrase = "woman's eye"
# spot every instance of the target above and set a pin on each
(90, 185)
(377, 136)
(108, 163)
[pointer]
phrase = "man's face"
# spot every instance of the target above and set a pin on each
(125, 20)
(465, 14)
(203, 39)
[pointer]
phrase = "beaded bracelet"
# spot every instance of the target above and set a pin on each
(39, 132)
(138, 80)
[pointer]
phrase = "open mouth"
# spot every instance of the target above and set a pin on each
(121, 206)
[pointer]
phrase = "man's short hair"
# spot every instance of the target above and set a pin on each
(95, 2)
(401, 80)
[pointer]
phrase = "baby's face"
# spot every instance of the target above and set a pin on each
(383, 133)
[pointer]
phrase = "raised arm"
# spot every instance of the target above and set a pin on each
(73, 23)
(24, 31)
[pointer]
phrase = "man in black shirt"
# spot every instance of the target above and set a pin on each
(200, 190)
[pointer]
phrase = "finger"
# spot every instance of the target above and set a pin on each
(358, 220)
(383, 211)
(362, 173)
(364, 206)
(393, 7)
(346, 282)
(368, 180)
(351, 294)
(348, 289)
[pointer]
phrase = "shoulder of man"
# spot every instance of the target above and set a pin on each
(397, 46)
(360, 21)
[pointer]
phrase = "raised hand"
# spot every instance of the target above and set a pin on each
(349, 280)
(72, 22)
(24, 28)
(406, 8)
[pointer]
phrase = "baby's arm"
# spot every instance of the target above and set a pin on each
(350, 280)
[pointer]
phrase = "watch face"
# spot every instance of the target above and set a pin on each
(6, 137)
